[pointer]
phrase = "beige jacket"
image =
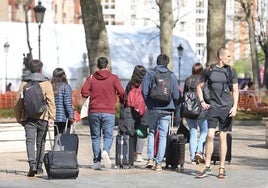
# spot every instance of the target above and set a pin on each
(50, 113)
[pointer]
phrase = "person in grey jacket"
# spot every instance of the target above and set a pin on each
(63, 100)
(159, 116)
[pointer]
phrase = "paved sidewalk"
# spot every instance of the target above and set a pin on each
(248, 168)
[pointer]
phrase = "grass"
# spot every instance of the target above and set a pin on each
(249, 115)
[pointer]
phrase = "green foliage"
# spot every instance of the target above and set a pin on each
(7, 113)
(243, 66)
(250, 115)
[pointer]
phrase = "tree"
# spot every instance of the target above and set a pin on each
(215, 29)
(95, 32)
(263, 42)
(248, 8)
(166, 28)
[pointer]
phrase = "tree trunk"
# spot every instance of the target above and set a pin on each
(166, 29)
(215, 29)
(95, 32)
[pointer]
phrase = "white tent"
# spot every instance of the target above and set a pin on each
(63, 45)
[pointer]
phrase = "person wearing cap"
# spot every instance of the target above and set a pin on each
(36, 126)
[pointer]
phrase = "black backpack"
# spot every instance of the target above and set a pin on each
(228, 74)
(33, 99)
(162, 88)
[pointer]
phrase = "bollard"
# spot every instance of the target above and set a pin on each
(266, 131)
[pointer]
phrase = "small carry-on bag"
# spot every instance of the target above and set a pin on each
(215, 155)
(175, 149)
(124, 151)
(61, 164)
(69, 141)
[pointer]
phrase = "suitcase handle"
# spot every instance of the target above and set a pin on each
(50, 140)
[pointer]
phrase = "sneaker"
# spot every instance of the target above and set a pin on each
(222, 173)
(200, 157)
(139, 158)
(97, 166)
(106, 159)
(195, 162)
(204, 172)
(158, 167)
(150, 163)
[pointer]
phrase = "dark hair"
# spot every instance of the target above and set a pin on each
(136, 78)
(102, 62)
(162, 59)
(35, 65)
(197, 69)
(57, 77)
(221, 51)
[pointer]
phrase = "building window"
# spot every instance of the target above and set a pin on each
(200, 27)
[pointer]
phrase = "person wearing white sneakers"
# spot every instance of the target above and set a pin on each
(103, 88)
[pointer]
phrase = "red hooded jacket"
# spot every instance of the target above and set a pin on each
(103, 88)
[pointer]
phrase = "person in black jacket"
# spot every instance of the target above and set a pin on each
(196, 146)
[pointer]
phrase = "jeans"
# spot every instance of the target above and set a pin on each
(160, 121)
(101, 123)
(35, 131)
(194, 144)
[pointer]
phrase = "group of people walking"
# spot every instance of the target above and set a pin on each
(106, 91)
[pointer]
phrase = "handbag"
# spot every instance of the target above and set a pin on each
(191, 106)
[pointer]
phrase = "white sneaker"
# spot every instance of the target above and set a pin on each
(139, 158)
(97, 166)
(106, 159)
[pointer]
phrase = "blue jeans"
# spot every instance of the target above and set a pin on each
(194, 144)
(160, 121)
(101, 123)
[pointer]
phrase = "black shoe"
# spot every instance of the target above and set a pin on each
(32, 171)
(40, 171)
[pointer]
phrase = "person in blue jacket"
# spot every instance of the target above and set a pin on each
(159, 116)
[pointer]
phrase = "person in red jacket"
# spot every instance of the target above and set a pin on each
(103, 88)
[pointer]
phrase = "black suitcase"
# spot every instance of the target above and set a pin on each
(124, 151)
(175, 149)
(215, 155)
(61, 164)
(68, 141)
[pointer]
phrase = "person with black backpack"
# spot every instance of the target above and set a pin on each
(160, 91)
(223, 85)
(35, 110)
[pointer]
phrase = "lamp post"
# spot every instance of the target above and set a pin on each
(180, 53)
(6, 48)
(39, 13)
(150, 58)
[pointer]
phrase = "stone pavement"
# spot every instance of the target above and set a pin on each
(248, 168)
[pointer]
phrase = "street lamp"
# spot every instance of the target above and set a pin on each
(6, 47)
(180, 53)
(150, 58)
(39, 12)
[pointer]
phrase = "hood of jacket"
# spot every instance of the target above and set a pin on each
(161, 68)
(36, 77)
(102, 74)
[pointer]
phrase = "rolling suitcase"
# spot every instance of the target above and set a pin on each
(175, 149)
(215, 155)
(124, 151)
(61, 164)
(68, 141)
